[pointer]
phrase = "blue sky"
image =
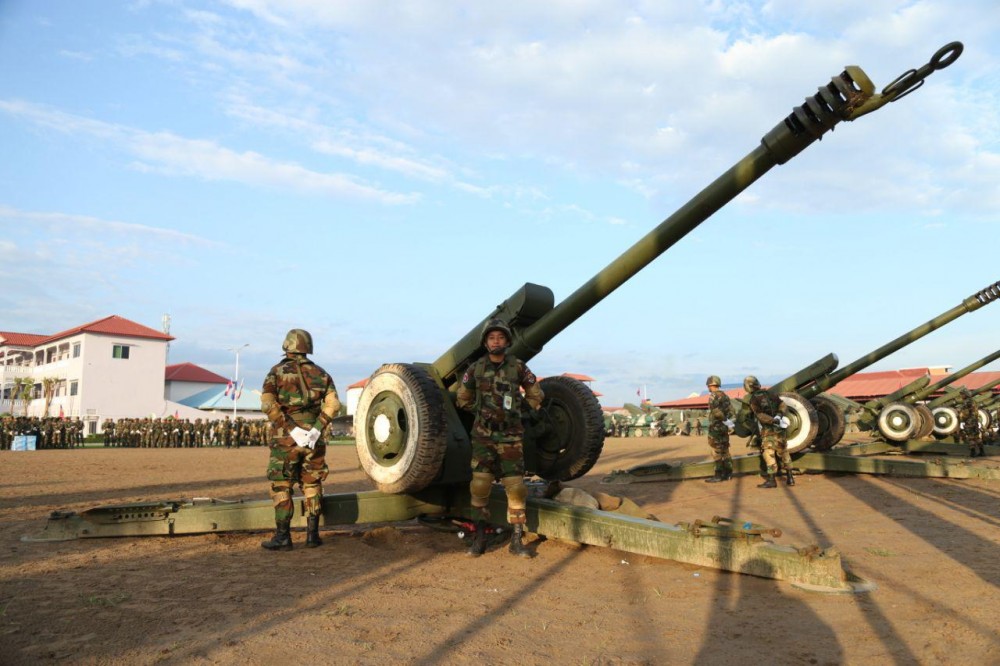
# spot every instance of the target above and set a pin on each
(384, 173)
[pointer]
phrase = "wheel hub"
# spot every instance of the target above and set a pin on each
(387, 429)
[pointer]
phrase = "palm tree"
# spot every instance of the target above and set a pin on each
(49, 385)
(23, 387)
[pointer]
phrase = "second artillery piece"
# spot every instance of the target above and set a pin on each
(817, 420)
(410, 434)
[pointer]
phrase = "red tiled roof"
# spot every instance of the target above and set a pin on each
(699, 401)
(20, 339)
(189, 372)
(112, 325)
(361, 383)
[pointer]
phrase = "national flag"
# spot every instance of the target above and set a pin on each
(229, 387)
(62, 414)
(238, 392)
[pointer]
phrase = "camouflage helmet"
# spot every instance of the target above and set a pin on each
(298, 341)
(496, 325)
(751, 384)
(713, 380)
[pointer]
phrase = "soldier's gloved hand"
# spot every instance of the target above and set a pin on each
(781, 421)
(313, 437)
(729, 423)
(300, 436)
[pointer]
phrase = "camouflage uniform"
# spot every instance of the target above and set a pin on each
(720, 409)
(297, 393)
(968, 415)
(491, 390)
(773, 440)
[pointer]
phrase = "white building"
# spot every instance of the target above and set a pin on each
(109, 368)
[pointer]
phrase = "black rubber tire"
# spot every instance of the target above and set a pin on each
(945, 422)
(898, 422)
(400, 428)
(575, 439)
(804, 424)
(926, 421)
(832, 423)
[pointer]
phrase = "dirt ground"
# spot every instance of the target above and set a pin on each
(409, 595)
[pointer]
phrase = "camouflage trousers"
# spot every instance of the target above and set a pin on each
(500, 459)
(720, 452)
(289, 465)
(773, 447)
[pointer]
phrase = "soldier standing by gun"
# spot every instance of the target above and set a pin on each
(300, 401)
(491, 389)
(968, 415)
(771, 431)
(720, 420)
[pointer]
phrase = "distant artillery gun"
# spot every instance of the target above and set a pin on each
(815, 419)
(901, 416)
(945, 415)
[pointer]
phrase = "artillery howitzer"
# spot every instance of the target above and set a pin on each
(817, 420)
(901, 416)
(945, 416)
(409, 432)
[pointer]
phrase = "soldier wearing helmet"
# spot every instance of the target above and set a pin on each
(300, 400)
(968, 416)
(720, 419)
(491, 390)
(771, 426)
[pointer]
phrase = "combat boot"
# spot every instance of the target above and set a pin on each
(789, 478)
(282, 539)
(517, 546)
(719, 477)
(769, 483)
(312, 532)
(478, 545)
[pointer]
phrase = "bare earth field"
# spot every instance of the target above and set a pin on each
(409, 595)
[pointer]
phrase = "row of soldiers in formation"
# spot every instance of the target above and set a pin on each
(155, 433)
(51, 432)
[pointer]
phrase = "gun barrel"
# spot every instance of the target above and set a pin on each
(953, 377)
(982, 297)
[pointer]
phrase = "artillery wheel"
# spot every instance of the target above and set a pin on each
(945, 421)
(804, 421)
(832, 423)
(897, 422)
(926, 421)
(576, 438)
(400, 428)
(985, 421)
(637, 432)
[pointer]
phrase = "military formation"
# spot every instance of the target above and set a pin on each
(171, 433)
(49, 432)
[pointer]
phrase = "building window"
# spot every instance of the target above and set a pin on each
(74, 388)
(119, 351)
(76, 350)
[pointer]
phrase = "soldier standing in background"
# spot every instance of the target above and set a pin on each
(771, 426)
(968, 416)
(720, 418)
(491, 389)
(300, 401)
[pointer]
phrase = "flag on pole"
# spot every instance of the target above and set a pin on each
(238, 392)
(229, 387)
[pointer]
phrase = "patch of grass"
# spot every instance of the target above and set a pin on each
(880, 552)
(105, 601)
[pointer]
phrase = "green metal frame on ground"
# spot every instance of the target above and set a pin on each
(716, 544)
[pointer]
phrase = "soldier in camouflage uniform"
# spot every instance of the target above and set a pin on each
(491, 390)
(771, 430)
(300, 401)
(968, 415)
(720, 415)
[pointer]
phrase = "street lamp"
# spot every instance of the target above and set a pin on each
(236, 379)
